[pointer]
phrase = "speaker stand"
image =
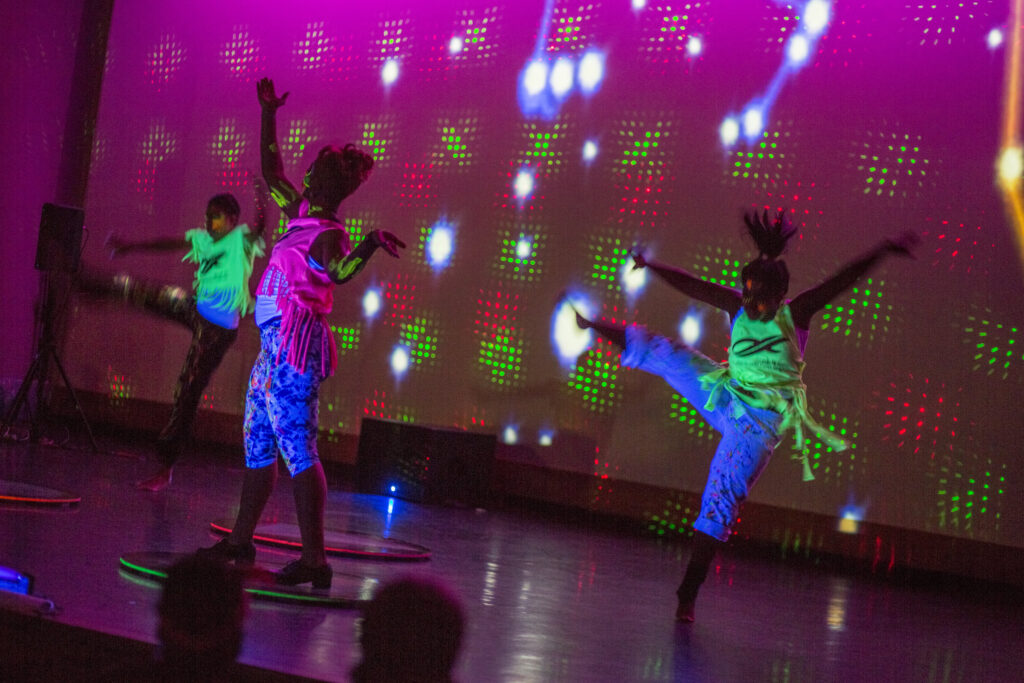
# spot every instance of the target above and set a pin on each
(37, 374)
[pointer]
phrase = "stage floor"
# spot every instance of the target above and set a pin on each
(547, 599)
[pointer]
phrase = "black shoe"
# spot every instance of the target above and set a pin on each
(229, 552)
(294, 573)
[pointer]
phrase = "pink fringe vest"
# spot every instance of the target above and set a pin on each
(304, 295)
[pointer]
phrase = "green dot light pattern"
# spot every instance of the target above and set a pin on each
(164, 61)
(667, 28)
(969, 496)
(295, 142)
(541, 146)
(159, 144)
(682, 411)
(393, 37)
(595, 376)
(241, 53)
(479, 32)
(608, 257)
(641, 149)
(570, 28)
(314, 49)
(346, 338)
(995, 349)
(457, 140)
(375, 139)
(229, 145)
(765, 162)
(509, 265)
(865, 316)
(824, 460)
(891, 165)
(676, 517)
(718, 265)
(501, 358)
(358, 227)
(420, 336)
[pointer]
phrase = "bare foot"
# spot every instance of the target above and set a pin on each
(157, 482)
(685, 612)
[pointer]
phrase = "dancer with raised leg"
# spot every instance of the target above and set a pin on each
(223, 251)
(297, 349)
(758, 395)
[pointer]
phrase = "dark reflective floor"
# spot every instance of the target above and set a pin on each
(547, 600)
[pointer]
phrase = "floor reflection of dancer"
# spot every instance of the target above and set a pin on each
(297, 352)
(758, 395)
(223, 251)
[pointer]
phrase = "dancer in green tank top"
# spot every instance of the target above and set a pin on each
(759, 394)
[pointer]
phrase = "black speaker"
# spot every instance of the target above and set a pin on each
(60, 238)
(424, 464)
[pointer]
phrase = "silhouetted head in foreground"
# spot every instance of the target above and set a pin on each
(411, 632)
(201, 611)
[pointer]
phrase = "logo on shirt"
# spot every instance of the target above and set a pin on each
(210, 263)
(749, 346)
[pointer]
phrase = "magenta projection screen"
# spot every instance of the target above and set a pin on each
(523, 148)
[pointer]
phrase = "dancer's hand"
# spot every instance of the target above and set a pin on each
(903, 244)
(639, 260)
(387, 241)
(116, 245)
(267, 97)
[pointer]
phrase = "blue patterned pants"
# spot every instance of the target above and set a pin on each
(749, 435)
(281, 405)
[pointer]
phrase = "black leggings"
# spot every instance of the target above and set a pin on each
(703, 553)
(209, 345)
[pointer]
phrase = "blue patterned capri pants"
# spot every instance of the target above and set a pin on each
(281, 405)
(749, 435)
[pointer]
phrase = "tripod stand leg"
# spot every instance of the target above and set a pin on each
(74, 397)
(19, 399)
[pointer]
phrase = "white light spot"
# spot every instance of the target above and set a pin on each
(994, 38)
(535, 77)
(589, 151)
(510, 435)
(591, 71)
(523, 184)
(694, 46)
(816, 16)
(753, 122)
(798, 49)
(561, 77)
(371, 303)
(389, 72)
(524, 247)
(729, 131)
(455, 45)
(440, 245)
(399, 360)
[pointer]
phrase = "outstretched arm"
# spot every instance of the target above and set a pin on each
(724, 298)
(118, 246)
(281, 189)
(342, 265)
(810, 301)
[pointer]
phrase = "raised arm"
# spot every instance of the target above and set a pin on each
(259, 222)
(724, 298)
(329, 250)
(810, 301)
(281, 189)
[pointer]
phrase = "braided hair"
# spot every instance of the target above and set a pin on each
(771, 238)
